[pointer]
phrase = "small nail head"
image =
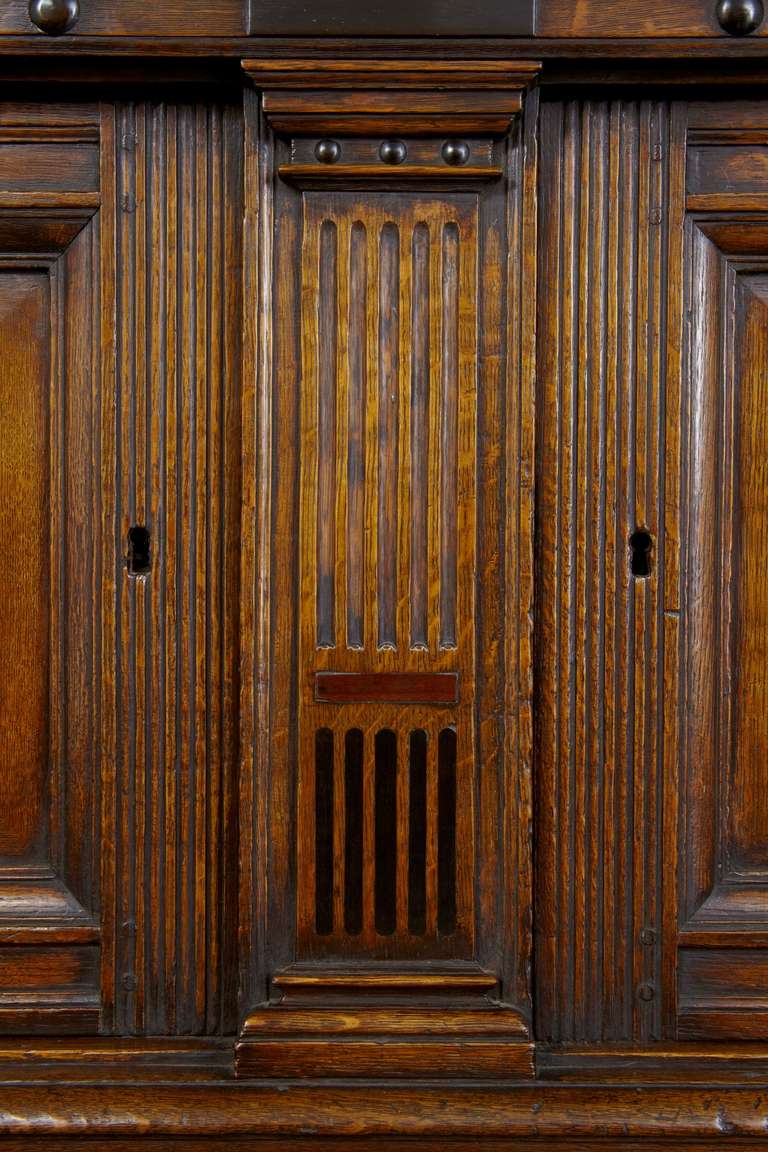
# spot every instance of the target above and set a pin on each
(327, 151)
(455, 152)
(393, 152)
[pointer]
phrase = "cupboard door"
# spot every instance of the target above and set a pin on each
(392, 566)
(50, 595)
(611, 195)
(119, 510)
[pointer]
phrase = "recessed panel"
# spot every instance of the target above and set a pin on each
(749, 784)
(25, 566)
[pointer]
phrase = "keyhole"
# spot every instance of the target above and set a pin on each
(640, 552)
(139, 558)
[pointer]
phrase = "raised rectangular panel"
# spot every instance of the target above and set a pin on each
(50, 612)
(724, 881)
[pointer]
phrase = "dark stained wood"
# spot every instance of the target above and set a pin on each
(721, 965)
(25, 583)
(50, 619)
(399, 18)
(606, 191)
(379, 314)
(286, 808)
(135, 18)
(591, 18)
(172, 181)
(397, 687)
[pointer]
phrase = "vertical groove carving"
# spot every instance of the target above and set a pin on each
(386, 831)
(353, 843)
(417, 833)
(327, 328)
(178, 211)
(387, 506)
(388, 428)
(604, 196)
(449, 414)
(357, 395)
(324, 831)
(420, 443)
(446, 831)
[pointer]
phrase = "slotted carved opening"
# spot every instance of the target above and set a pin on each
(446, 831)
(353, 831)
(417, 834)
(324, 831)
(397, 793)
(386, 831)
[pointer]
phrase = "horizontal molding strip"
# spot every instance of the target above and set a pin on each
(387, 687)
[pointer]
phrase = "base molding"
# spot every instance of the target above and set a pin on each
(379, 1025)
(427, 1115)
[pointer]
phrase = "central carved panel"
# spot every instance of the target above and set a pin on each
(389, 316)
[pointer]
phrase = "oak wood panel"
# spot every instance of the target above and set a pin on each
(723, 881)
(51, 674)
(171, 301)
(387, 507)
(545, 1115)
(456, 17)
(25, 583)
(136, 18)
(605, 198)
(397, 687)
(594, 19)
(380, 534)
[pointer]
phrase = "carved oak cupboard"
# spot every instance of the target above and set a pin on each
(384, 598)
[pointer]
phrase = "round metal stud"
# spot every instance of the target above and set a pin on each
(455, 152)
(393, 151)
(54, 16)
(327, 151)
(740, 17)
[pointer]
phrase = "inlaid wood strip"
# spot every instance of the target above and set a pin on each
(393, 687)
